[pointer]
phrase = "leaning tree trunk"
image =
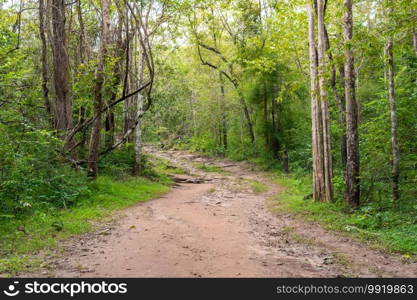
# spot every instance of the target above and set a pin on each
(327, 154)
(246, 113)
(248, 121)
(352, 193)
(98, 93)
(318, 179)
(393, 113)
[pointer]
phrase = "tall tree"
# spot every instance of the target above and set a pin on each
(393, 112)
(98, 92)
(339, 97)
(318, 180)
(44, 53)
(322, 161)
(117, 72)
(223, 113)
(327, 154)
(234, 81)
(82, 43)
(63, 105)
(139, 111)
(352, 193)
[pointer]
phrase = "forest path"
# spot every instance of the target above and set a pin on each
(218, 228)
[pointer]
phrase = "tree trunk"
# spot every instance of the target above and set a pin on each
(193, 112)
(352, 193)
(247, 116)
(415, 41)
(340, 100)
(276, 146)
(393, 113)
(327, 154)
(110, 128)
(137, 165)
(318, 179)
(223, 112)
(245, 112)
(44, 50)
(130, 104)
(82, 45)
(342, 118)
(341, 103)
(268, 145)
(138, 130)
(118, 75)
(285, 161)
(249, 123)
(98, 93)
(63, 107)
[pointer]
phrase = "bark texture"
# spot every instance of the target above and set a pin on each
(321, 149)
(318, 180)
(223, 113)
(352, 193)
(63, 106)
(139, 112)
(328, 169)
(98, 93)
(44, 53)
(393, 114)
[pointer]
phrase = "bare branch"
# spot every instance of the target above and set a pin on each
(93, 118)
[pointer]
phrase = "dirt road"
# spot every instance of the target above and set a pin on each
(218, 228)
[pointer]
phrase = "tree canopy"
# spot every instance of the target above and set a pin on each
(321, 87)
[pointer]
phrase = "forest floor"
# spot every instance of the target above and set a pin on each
(217, 222)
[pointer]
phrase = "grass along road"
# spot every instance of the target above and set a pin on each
(220, 226)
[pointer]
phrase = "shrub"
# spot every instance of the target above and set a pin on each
(31, 173)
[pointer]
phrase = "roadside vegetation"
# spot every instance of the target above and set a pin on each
(210, 168)
(386, 229)
(377, 222)
(258, 187)
(320, 89)
(42, 227)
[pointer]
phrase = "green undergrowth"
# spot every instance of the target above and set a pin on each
(44, 228)
(390, 230)
(257, 187)
(163, 166)
(210, 168)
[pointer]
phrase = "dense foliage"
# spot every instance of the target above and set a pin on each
(266, 47)
(224, 77)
